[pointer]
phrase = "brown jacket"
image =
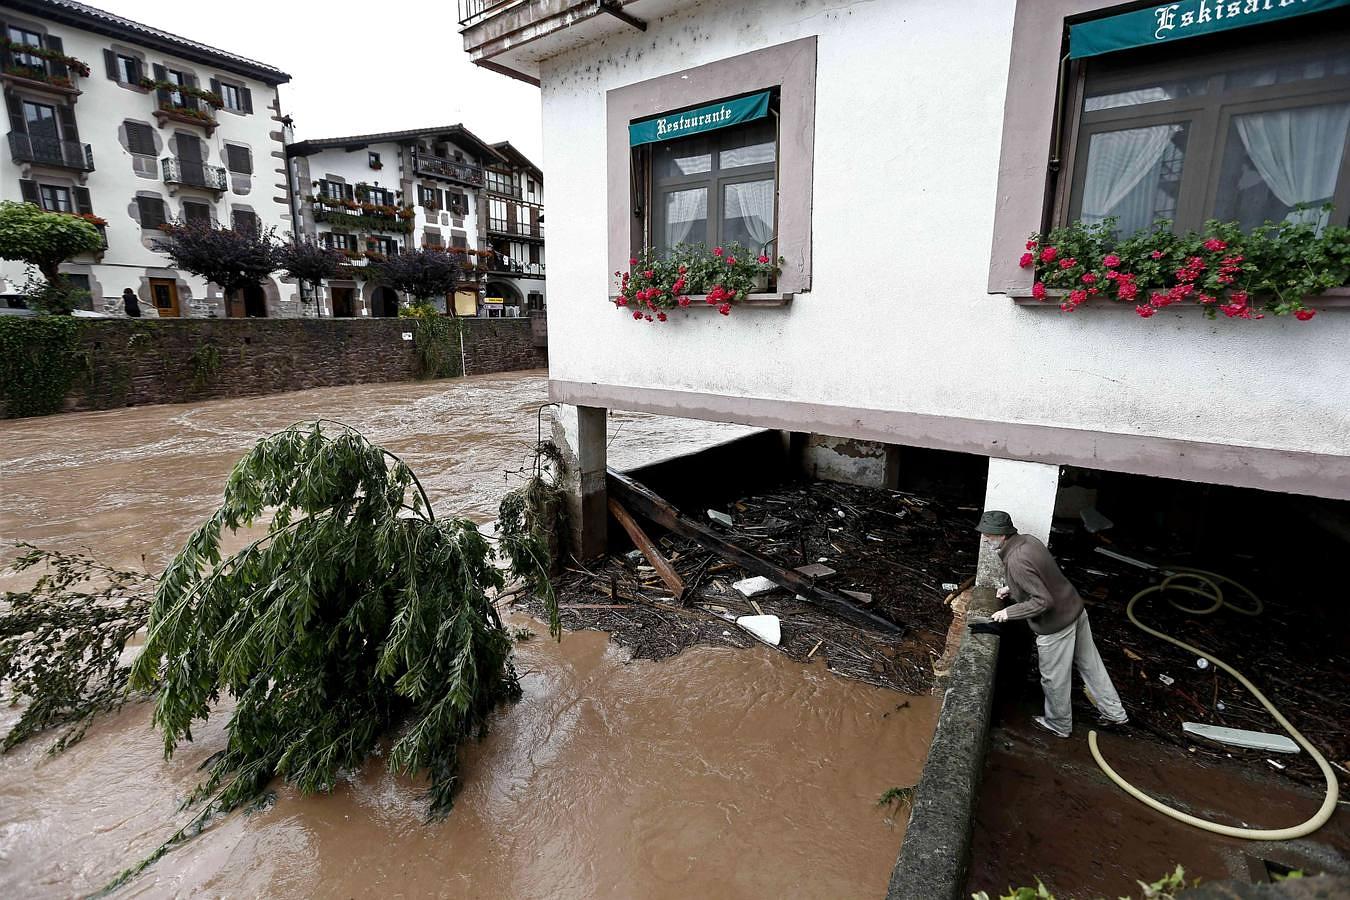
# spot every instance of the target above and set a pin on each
(1043, 595)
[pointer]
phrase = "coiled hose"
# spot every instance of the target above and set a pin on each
(1214, 594)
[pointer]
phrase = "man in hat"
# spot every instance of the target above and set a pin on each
(1050, 605)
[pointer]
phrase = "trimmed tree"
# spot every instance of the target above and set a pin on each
(45, 240)
(308, 262)
(231, 259)
(422, 274)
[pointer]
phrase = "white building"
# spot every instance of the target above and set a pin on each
(906, 139)
(137, 142)
(372, 195)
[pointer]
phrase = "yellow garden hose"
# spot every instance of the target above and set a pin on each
(1216, 598)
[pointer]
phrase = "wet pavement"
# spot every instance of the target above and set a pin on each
(718, 773)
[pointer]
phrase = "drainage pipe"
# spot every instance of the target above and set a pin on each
(1214, 594)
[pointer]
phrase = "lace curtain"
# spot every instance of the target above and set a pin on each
(1297, 152)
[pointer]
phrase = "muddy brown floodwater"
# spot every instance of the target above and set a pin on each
(718, 773)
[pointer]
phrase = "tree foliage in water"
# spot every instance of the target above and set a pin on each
(532, 521)
(61, 643)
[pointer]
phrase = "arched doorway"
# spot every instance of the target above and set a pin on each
(503, 299)
(384, 302)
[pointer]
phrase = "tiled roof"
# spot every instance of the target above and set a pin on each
(507, 149)
(457, 133)
(87, 17)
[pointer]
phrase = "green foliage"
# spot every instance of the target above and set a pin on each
(39, 360)
(896, 797)
(531, 522)
(61, 643)
(205, 365)
(347, 221)
(437, 340)
(44, 239)
(1221, 268)
(662, 280)
(358, 615)
(1165, 888)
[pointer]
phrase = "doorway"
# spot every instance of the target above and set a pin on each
(384, 302)
(344, 302)
(164, 292)
(255, 302)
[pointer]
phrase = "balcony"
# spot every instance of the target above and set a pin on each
(501, 264)
(473, 10)
(194, 174)
(365, 217)
(50, 151)
(448, 169)
(188, 111)
(37, 75)
(516, 229)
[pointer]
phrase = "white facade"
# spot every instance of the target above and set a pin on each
(439, 179)
(102, 111)
(898, 337)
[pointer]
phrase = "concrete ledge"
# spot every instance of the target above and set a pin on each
(936, 853)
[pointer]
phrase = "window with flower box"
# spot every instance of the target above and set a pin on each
(1248, 126)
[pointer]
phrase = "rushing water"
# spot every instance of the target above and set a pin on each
(718, 773)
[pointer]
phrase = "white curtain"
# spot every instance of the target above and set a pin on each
(750, 203)
(1118, 162)
(1297, 153)
(685, 209)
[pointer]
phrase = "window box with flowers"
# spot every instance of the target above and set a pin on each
(691, 276)
(1278, 269)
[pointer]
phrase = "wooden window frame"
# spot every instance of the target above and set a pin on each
(140, 212)
(714, 181)
(1207, 115)
(56, 206)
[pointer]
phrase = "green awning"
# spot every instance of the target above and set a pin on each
(1190, 18)
(696, 121)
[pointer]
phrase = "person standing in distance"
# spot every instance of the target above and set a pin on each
(1051, 606)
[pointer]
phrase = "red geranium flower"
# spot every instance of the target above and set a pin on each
(1144, 311)
(1304, 315)
(1026, 260)
(763, 260)
(1049, 254)
(717, 251)
(1068, 262)
(1111, 261)
(725, 309)
(1038, 290)
(661, 316)
(1214, 245)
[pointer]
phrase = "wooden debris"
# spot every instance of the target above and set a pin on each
(649, 550)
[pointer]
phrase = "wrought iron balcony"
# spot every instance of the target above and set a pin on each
(440, 167)
(470, 10)
(50, 151)
(516, 229)
(195, 174)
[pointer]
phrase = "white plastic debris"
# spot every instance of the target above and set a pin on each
(815, 570)
(1202, 663)
(722, 517)
(1167, 680)
(950, 586)
(1240, 737)
(753, 587)
(765, 628)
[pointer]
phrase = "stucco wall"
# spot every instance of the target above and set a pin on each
(99, 112)
(910, 98)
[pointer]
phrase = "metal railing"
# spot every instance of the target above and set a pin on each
(473, 10)
(50, 151)
(520, 229)
(500, 264)
(440, 167)
(195, 174)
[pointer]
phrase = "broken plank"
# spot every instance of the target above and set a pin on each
(649, 505)
(595, 606)
(649, 549)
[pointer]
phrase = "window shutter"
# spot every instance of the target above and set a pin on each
(29, 189)
(137, 70)
(215, 85)
(82, 204)
(247, 97)
(140, 138)
(58, 68)
(239, 159)
(16, 121)
(110, 63)
(66, 113)
(349, 191)
(160, 74)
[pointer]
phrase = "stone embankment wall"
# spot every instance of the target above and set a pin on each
(128, 362)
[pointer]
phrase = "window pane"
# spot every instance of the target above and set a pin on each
(1275, 161)
(1147, 93)
(682, 158)
(685, 217)
(1322, 65)
(748, 145)
(1133, 175)
(747, 156)
(747, 214)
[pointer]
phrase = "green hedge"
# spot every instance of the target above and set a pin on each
(39, 360)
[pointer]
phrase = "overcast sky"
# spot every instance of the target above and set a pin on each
(381, 65)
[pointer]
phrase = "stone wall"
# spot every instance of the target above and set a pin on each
(501, 345)
(131, 362)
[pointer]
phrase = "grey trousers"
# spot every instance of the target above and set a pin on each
(1059, 654)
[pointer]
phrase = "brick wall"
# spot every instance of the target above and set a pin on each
(136, 362)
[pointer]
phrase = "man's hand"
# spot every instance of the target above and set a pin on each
(1000, 616)
(1002, 593)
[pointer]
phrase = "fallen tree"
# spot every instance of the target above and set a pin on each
(358, 615)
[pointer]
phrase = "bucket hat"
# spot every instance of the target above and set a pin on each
(996, 521)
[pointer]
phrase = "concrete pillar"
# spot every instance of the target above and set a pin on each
(1026, 491)
(590, 448)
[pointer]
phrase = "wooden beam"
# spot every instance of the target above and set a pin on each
(650, 506)
(649, 549)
